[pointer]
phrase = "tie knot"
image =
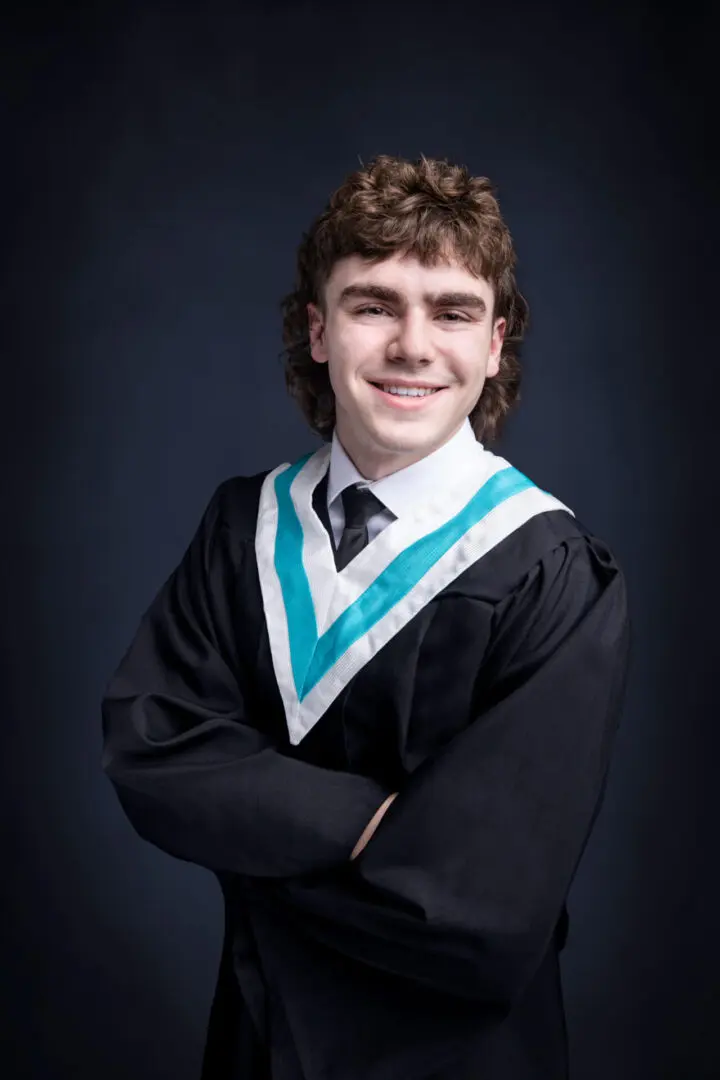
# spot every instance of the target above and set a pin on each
(359, 505)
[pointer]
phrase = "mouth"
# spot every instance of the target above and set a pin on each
(405, 400)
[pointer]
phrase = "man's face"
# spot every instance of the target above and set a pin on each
(400, 324)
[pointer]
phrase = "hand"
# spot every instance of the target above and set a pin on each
(372, 826)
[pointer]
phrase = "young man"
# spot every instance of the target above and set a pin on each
(377, 696)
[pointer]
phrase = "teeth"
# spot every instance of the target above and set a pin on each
(408, 391)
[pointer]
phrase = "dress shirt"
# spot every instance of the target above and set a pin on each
(401, 491)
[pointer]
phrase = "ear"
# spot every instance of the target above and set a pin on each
(316, 327)
(496, 344)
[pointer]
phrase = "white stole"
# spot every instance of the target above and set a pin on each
(324, 624)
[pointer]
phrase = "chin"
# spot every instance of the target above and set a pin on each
(406, 442)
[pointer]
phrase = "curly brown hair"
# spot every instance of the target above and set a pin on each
(434, 211)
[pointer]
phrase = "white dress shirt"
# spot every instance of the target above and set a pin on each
(401, 491)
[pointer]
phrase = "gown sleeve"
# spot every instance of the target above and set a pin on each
(463, 882)
(195, 775)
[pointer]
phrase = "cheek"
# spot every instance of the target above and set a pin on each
(341, 362)
(469, 362)
(355, 347)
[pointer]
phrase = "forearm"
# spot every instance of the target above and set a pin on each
(223, 797)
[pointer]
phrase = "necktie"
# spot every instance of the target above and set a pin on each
(359, 505)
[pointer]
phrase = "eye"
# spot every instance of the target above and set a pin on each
(371, 309)
(454, 316)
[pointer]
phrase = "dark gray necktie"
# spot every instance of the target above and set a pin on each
(359, 505)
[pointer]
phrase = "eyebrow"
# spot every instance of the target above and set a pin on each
(392, 296)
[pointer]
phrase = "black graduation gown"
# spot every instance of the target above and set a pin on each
(434, 954)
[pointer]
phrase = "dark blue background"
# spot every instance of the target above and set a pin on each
(160, 165)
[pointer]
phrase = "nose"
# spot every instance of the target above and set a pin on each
(411, 343)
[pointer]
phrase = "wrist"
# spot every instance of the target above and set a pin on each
(372, 825)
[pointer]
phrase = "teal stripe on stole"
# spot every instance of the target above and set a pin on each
(299, 607)
(311, 658)
(404, 572)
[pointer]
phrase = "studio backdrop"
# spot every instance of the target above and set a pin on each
(160, 166)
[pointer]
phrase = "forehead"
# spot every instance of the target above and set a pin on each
(407, 275)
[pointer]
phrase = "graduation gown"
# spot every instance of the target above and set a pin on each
(472, 659)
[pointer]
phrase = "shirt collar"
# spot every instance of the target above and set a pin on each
(401, 490)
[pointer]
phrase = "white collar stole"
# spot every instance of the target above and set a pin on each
(324, 625)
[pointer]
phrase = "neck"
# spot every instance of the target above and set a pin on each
(374, 462)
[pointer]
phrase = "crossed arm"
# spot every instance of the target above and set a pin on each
(463, 884)
(194, 773)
